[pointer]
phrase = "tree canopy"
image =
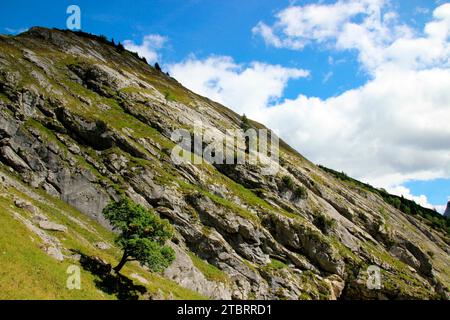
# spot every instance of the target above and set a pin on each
(143, 235)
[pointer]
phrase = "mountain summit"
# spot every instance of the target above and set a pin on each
(84, 122)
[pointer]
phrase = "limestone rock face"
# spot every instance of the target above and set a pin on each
(186, 274)
(83, 123)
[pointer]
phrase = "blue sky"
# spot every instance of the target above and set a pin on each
(202, 27)
(324, 88)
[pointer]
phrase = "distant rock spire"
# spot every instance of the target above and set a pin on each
(447, 211)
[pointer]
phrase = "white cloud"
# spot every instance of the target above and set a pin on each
(247, 88)
(440, 208)
(296, 26)
(405, 192)
(421, 199)
(390, 130)
(368, 26)
(148, 48)
(15, 31)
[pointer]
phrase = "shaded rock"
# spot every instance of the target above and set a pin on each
(405, 256)
(92, 133)
(304, 239)
(8, 156)
(101, 265)
(425, 266)
(447, 210)
(337, 285)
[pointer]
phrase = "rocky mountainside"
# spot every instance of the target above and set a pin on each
(83, 121)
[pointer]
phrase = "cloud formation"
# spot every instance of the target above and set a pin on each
(297, 26)
(246, 88)
(149, 47)
(15, 30)
(368, 26)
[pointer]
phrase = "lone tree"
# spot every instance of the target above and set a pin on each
(245, 123)
(120, 47)
(142, 235)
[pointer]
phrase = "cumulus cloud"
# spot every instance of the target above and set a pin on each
(421, 199)
(440, 208)
(297, 26)
(391, 130)
(388, 131)
(246, 88)
(149, 47)
(368, 26)
(405, 192)
(15, 30)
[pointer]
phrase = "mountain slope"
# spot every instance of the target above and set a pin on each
(83, 121)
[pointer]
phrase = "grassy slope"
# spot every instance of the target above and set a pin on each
(27, 272)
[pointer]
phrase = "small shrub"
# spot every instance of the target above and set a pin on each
(406, 209)
(169, 96)
(300, 192)
(245, 123)
(288, 182)
(324, 223)
(101, 126)
(120, 47)
(103, 38)
(383, 213)
(394, 202)
(282, 161)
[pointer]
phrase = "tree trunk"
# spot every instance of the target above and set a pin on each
(121, 263)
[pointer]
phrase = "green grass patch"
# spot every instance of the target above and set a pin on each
(210, 272)
(275, 265)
